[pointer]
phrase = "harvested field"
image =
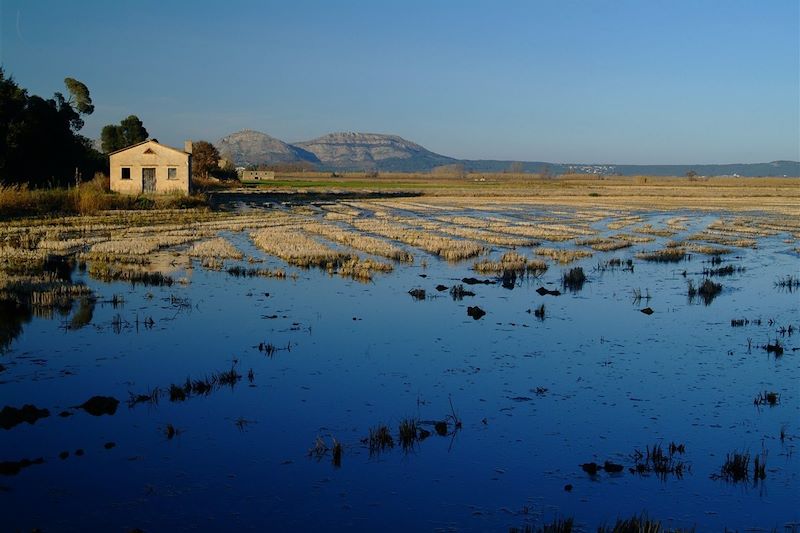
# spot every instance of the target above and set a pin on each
(358, 241)
(297, 248)
(447, 248)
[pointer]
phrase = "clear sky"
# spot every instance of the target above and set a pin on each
(616, 81)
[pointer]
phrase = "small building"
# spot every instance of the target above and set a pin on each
(257, 175)
(151, 168)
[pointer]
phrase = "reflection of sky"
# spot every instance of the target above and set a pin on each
(617, 380)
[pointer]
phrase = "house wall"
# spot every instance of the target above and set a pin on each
(162, 158)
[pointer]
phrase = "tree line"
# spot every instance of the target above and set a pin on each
(41, 144)
(39, 140)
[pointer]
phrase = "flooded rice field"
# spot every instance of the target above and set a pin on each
(396, 365)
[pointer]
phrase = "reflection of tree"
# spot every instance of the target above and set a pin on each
(12, 316)
(83, 316)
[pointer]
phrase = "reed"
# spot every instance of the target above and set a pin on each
(573, 279)
(666, 255)
(603, 244)
(510, 261)
(649, 229)
(736, 467)
(563, 256)
(380, 439)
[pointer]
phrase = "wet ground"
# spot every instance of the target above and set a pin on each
(526, 399)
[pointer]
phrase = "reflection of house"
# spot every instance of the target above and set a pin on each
(150, 167)
(250, 175)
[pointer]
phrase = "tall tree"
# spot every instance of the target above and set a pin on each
(39, 140)
(128, 132)
(79, 102)
(13, 100)
(205, 159)
(79, 96)
(133, 130)
(111, 138)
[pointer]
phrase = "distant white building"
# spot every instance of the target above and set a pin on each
(257, 175)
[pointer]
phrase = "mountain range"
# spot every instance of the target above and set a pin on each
(348, 151)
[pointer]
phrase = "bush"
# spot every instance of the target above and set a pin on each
(87, 199)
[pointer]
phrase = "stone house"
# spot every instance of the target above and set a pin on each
(257, 175)
(151, 168)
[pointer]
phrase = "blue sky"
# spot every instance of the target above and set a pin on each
(614, 81)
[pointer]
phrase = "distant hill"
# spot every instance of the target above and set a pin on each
(390, 153)
(775, 168)
(248, 147)
(356, 151)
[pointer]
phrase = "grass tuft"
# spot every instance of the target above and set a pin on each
(573, 279)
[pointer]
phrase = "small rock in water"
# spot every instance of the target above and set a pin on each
(417, 294)
(441, 288)
(475, 312)
(590, 468)
(12, 468)
(109, 445)
(100, 405)
(568, 487)
(475, 281)
(612, 468)
(11, 416)
(63, 455)
(647, 311)
(542, 291)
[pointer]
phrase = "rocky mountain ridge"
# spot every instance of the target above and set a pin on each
(352, 151)
(250, 147)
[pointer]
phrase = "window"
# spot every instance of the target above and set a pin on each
(126, 173)
(172, 173)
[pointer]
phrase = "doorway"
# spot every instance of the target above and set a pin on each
(148, 180)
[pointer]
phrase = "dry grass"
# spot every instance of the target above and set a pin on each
(649, 229)
(677, 223)
(750, 226)
(361, 269)
(604, 244)
(138, 245)
(297, 248)
(563, 256)
(633, 239)
(708, 249)
(510, 261)
(218, 248)
(724, 240)
(667, 255)
(530, 230)
(487, 236)
(353, 239)
(89, 198)
(624, 222)
(447, 248)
